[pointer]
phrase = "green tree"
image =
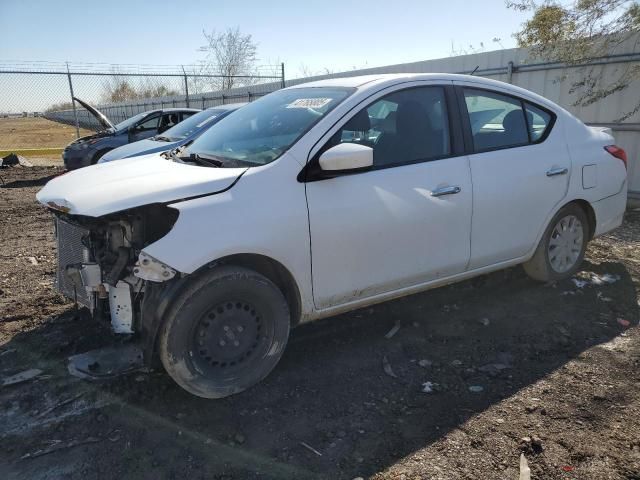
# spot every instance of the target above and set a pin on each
(576, 33)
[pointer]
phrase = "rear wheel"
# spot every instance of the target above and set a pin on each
(562, 247)
(225, 332)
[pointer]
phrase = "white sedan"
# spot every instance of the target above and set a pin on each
(323, 198)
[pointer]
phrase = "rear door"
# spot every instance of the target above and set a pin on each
(520, 170)
(406, 221)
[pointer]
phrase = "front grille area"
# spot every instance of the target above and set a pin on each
(71, 251)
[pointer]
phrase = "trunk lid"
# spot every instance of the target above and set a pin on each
(601, 130)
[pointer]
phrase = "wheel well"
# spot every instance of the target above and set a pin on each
(591, 215)
(98, 155)
(274, 271)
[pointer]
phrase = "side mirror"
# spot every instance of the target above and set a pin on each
(346, 157)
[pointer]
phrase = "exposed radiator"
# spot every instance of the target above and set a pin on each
(71, 251)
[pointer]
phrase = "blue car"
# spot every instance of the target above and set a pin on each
(182, 133)
(88, 150)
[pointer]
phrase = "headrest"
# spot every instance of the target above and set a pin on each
(411, 117)
(514, 121)
(359, 123)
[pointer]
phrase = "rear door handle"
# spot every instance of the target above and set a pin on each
(557, 171)
(448, 190)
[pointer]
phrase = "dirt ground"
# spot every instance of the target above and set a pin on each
(550, 371)
(35, 133)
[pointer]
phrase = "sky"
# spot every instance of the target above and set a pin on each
(330, 34)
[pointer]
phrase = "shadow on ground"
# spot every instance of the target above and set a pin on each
(329, 410)
(38, 182)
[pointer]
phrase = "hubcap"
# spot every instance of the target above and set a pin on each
(565, 244)
(227, 335)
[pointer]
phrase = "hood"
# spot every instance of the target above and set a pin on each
(87, 138)
(115, 186)
(142, 147)
(101, 117)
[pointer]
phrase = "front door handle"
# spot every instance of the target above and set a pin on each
(448, 190)
(557, 171)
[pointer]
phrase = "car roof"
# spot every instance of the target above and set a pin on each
(228, 106)
(178, 110)
(361, 80)
(387, 79)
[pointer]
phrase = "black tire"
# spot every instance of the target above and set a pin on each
(540, 267)
(225, 332)
(99, 155)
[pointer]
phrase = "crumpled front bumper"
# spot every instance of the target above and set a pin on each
(74, 158)
(80, 278)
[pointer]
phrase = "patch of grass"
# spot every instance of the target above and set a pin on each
(36, 136)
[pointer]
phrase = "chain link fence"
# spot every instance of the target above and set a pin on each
(38, 116)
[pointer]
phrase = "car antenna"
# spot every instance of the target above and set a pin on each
(475, 69)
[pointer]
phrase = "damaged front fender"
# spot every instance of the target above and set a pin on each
(148, 268)
(101, 264)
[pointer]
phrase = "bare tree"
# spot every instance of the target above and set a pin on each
(305, 71)
(576, 33)
(118, 89)
(153, 87)
(59, 106)
(470, 50)
(228, 54)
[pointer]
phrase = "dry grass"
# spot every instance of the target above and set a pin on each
(36, 133)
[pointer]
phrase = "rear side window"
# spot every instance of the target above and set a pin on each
(497, 121)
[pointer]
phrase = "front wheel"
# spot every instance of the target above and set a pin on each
(225, 332)
(96, 158)
(562, 247)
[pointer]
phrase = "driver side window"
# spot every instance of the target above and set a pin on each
(403, 127)
(148, 124)
(168, 120)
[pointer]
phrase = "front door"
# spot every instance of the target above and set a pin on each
(145, 129)
(405, 222)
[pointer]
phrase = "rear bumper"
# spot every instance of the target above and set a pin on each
(610, 211)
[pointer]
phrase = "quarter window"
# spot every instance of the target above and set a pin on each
(538, 121)
(497, 121)
(407, 126)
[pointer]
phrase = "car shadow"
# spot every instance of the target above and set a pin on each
(36, 182)
(348, 398)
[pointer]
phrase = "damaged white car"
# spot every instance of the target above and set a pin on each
(323, 198)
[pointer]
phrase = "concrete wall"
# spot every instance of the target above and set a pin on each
(552, 81)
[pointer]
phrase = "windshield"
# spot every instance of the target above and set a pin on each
(192, 124)
(261, 131)
(130, 121)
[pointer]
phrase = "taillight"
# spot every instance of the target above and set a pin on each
(618, 153)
